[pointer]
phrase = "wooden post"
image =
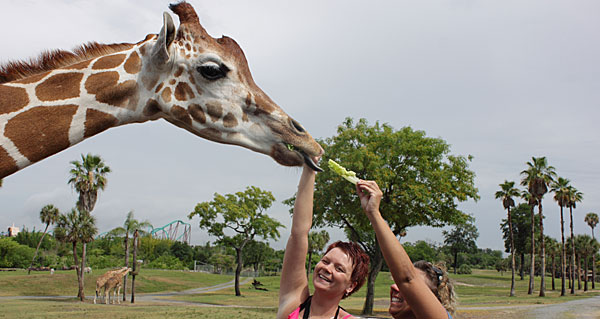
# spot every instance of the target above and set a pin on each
(135, 270)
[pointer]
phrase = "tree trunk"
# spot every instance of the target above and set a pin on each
(455, 261)
(585, 269)
(82, 270)
(512, 255)
(238, 271)
(37, 249)
(563, 260)
(578, 256)
(126, 263)
(374, 269)
(572, 252)
(594, 271)
(309, 263)
(542, 253)
(80, 294)
(134, 270)
(553, 272)
(522, 273)
(532, 266)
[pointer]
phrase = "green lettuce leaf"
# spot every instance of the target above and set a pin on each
(340, 170)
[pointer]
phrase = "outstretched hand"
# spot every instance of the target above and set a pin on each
(370, 196)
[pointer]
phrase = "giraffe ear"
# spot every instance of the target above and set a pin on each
(165, 38)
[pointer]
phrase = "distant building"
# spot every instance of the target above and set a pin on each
(13, 231)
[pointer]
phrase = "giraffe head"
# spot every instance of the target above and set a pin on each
(204, 85)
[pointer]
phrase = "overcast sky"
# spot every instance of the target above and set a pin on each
(500, 80)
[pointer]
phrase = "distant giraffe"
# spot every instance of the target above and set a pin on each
(184, 76)
(101, 281)
(114, 283)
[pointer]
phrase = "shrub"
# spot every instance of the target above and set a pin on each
(464, 269)
(14, 255)
(166, 262)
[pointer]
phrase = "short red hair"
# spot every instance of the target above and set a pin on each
(360, 262)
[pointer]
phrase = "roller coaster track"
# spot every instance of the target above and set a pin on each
(171, 231)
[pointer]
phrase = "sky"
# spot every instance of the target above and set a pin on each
(499, 80)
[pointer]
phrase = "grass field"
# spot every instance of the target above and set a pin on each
(481, 294)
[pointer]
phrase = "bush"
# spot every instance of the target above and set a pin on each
(166, 262)
(102, 262)
(464, 269)
(14, 255)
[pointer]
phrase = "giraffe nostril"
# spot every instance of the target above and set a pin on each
(297, 126)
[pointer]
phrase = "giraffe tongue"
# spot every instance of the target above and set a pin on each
(311, 163)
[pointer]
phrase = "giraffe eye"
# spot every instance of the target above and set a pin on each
(213, 71)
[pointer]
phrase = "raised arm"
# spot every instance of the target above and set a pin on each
(417, 294)
(294, 284)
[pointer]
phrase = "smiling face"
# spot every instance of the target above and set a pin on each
(208, 90)
(333, 273)
(399, 308)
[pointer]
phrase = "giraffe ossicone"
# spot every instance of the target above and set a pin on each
(182, 75)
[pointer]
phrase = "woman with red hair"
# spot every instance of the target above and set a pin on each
(340, 272)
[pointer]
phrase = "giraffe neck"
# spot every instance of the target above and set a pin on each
(43, 114)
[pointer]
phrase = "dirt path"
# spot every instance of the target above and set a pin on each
(582, 308)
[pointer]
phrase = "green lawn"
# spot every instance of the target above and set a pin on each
(483, 288)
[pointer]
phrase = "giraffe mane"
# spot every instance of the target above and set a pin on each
(55, 59)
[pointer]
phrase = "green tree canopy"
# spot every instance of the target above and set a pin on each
(461, 239)
(421, 182)
(87, 178)
(241, 214)
(48, 215)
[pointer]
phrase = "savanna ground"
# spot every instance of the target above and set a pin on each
(483, 294)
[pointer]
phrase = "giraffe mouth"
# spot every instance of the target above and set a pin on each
(307, 159)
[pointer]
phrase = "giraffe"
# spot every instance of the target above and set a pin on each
(192, 80)
(101, 281)
(114, 283)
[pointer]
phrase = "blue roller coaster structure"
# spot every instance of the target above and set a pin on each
(171, 231)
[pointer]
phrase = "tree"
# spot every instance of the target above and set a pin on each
(532, 202)
(316, 243)
(87, 178)
(461, 239)
(561, 196)
(243, 214)
(506, 193)
(256, 254)
(129, 226)
(48, 215)
(537, 177)
(136, 269)
(522, 230)
(587, 247)
(421, 182)
(592, 220)
(575, 197)
(78, 226)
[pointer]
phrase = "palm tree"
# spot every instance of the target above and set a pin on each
(506, 193)
(316, 243)
(129, 227)
(592, 220)
(537, 177)
(532, 202)
(87, 178)
(77, 226)
(575, 196)
(48, 215)
(561, 196)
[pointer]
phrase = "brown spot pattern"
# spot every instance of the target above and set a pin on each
(188, 47)
(97, 121)
(152, 107)
(59, 87)
(245, 117)
(107, 89)
(172, 81)
(197, 113)
(166, 95)
(133, 65)
(214, 110)
(33, 78)
(183, 92)
(80, 65)
(41, 131)
(109, 62)
(178, 72)
(12, 99)
(211, 134)
(193, 81)
(180, 114)
(229, 120)
(7, 163)
(143, 49)
(159, 87)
